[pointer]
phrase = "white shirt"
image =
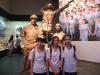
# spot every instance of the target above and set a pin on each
(69, 60)
(72, 23)
(97, 1)
(39, 63)
(97, 14)
(84, 28)
(55, 58)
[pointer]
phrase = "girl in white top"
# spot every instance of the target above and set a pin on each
(84, 30)
(69, 67)
(37, 57)
(55, 57)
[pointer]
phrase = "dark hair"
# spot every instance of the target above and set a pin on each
(53, 39)
(39, 39)
(11, 38)
(85, 21)
(68, 35)
(16, 36)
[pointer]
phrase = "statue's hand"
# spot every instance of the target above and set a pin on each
(70, 1)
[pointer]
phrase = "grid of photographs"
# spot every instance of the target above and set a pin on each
(81, 19)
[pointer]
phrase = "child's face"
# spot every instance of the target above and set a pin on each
(39, 43)
(33, 21)
(88, 10)
(70, 17)
(56, 41)
(67, 39)
(83, 22)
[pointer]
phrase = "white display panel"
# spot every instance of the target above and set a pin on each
(88, 50)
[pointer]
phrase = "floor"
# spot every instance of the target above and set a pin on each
(11, 65)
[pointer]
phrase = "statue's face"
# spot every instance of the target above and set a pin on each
(33, 21)
(58, 27)
(67, 40)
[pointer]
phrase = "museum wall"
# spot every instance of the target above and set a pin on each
(88, 50)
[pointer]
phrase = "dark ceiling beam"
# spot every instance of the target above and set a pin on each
(15, 17)
(12, 17)
(5, 14)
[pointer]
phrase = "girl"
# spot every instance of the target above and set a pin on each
(55, 57)
(84, 30)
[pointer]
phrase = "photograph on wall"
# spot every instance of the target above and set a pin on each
(81, 19)
(3, 28)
